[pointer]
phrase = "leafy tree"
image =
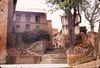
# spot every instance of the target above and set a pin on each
(37, 34)
(67, 6)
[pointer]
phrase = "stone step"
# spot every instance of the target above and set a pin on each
(54, 62)
(55, 50)
(59, 54)
(53, 56)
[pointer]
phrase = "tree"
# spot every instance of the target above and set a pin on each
(97, 45)
(67, 6)
(37, 34)
(97, 48)
(91, 12)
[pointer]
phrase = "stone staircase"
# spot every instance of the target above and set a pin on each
(54, 56)
(55, 51)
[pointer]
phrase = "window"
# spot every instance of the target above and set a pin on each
(27, 18)
(18, 17)
(37, 19)
(18, 26)
(27, 26)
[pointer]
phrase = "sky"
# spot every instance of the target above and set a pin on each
(28, 5)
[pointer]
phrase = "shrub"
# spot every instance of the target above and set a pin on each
(37, 34)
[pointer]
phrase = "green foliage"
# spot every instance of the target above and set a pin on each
(37, 34)
(65, 4)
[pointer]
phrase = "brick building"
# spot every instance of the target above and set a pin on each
(26, 20)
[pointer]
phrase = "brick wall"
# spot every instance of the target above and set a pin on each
(27, 59)
(3, 25)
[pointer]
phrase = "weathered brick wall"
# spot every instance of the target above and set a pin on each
(27, 59)
(3, 25)
(23, 59)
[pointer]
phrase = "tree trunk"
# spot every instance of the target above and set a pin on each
(97, 48)
(92, 26)
(71, 28)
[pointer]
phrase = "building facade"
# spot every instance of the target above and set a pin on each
(64, 20)
(26, 21)
(55, 31)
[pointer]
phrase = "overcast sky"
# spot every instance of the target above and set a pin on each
(40, 4)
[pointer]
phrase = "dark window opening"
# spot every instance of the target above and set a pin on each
(37, 19)
(18, 26)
